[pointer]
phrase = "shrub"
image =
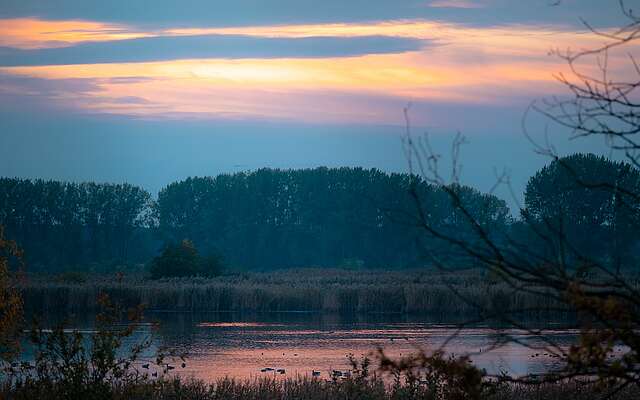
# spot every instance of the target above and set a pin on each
(71, 365)
(183, 259)
(10, 299)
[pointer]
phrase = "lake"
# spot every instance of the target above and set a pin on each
(240, 346)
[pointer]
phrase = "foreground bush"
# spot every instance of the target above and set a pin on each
(72, 365)
(316, 389)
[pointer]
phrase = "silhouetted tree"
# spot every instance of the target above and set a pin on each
(183, 260)
(323, 217)
(581, 192)
(572, 195)
(263, 219)
(67, 224)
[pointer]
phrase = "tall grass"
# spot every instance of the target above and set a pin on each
(316, 389)
(305, 290)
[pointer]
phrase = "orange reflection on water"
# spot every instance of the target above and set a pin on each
(248, 350)
(235, 325)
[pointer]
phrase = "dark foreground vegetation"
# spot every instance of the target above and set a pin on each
(316, 389)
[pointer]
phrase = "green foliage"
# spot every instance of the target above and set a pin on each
(274, 218)
(260, 220)
(69, 224)
(589, 203)
(444, 377)
(183, 260)
(75, 366)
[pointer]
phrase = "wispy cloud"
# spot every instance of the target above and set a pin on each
(321, 90)
(326, 72)
(33, 33)
(455, 4)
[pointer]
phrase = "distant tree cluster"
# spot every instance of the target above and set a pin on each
(65, 225)
(349, 217)
(588, 203)
(312, 217)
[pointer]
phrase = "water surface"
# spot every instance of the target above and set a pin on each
(241, 346)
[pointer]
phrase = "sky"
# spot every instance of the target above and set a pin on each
(149, 92)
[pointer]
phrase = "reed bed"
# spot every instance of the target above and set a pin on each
(303, 290)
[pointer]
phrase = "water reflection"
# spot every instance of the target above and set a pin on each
(249, 346)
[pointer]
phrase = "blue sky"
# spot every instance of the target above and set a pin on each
(153, 91)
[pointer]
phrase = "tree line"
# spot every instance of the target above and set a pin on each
(589, 205)
(311, 217)
(64, 225)
(349, 217)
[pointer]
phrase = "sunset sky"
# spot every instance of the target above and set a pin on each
(152, 91)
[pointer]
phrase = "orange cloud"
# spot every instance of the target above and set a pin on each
(470, 65)
(514, 39)
(32, 33)
(291, 88)
(389, 73)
